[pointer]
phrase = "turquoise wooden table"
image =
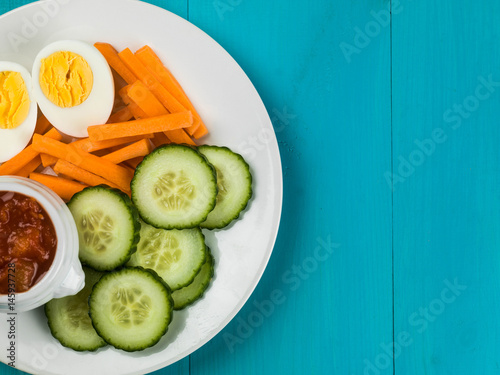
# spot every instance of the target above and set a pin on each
(387, 259)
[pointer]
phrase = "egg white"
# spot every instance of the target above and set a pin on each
(13, 141)
(96, 110)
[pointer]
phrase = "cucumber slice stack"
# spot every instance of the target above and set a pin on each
(131, 308)
(152, 245)
(234, 183)
(189, 294)
(108, 227)
(178, 187)
(175, 255)
(174, 188)
(69, 320)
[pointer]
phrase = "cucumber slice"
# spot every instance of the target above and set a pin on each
(176, 255)
(174, 187)
(131, 308)
(69, 320)
(234, 182)
(108, 227)
(193, 292)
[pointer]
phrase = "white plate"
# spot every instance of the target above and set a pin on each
(236, 117)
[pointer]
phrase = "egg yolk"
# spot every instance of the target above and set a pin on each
(14, 100)
(66, 79)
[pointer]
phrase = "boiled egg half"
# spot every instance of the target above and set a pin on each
(73, 85)
(18, 109)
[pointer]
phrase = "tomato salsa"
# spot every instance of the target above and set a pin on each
(28, 241)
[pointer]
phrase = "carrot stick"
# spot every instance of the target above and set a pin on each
(133, 163)
(141, 148)
(111, 56)
(29, 168)
(144, 98)
(130, 169)
(94, 164)
(140, 127)
(133, 108)
(155, 66)
(141, 72)
(85, 144)
(101, 145)
(42, 125)
(61, 186)
(136, 111)
(25, 156)
(48, 160)
(202, 131)
(160, 139)
(122, 115)
(179, 136)
(80, 174)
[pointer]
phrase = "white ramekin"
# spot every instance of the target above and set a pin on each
(65, 276)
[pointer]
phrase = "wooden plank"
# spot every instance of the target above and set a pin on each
(179, 7)
(332, 120)
(446, 201)
(7, 370)
(7, 6)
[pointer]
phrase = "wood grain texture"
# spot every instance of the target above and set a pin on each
(179, 7)
(335, 147)
(8, 5)
(446, 211)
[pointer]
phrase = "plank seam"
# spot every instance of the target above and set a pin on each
(392, 196)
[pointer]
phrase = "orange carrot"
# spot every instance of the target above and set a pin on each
(83, 144)
(155, 66)
(202, 131)
(91, 163)
(25, 156)
(160, 139)
(29, 168)
(111, 56)
(133, 108)
(130, 169)
(53, 134)
(144, 98)
(42, 125)
(48, 160)
(61, 186)
(140, 127)
(102, 145)
(133, 163)
(122, 115)
(136, 111)
(179, 136)
(65, 168)
(141, 148)
(143, 74)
